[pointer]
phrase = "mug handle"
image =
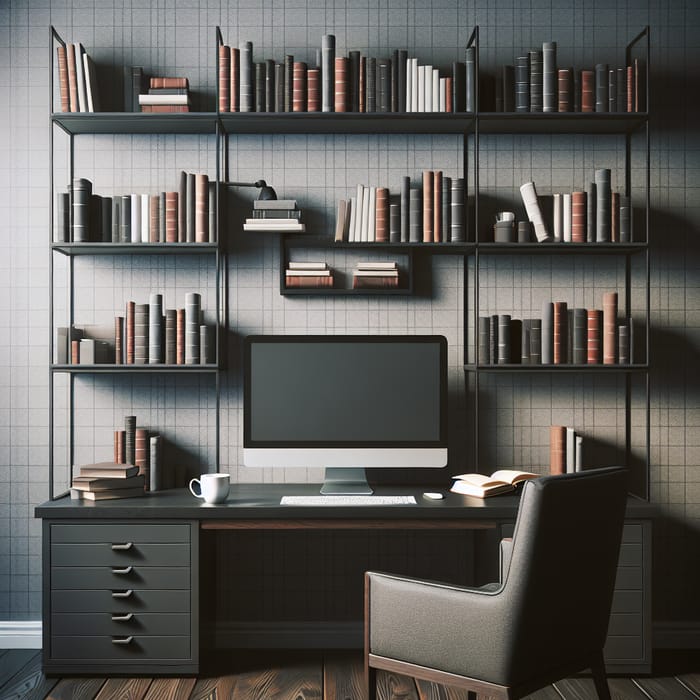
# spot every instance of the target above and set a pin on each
(192, 491)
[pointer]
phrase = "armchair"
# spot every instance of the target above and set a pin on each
(545, 620)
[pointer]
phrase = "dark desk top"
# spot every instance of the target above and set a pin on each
(262, 502)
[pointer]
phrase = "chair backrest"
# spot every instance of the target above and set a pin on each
(562, 571)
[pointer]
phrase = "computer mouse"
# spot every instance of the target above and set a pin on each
(434, 495)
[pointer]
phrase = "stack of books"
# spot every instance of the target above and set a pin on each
(375, 274)
(106, 480)
(308, 274)
(275, 215)
(166, 95)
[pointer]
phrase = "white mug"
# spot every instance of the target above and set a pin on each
(213, 488)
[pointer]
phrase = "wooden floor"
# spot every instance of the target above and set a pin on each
(312, 676)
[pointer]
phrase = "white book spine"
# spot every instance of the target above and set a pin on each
(566, 217)
(364, 231)
(372, 229)
(421, 88)
(351, 227)
(443, 94)
(414, 85)
(579, 453)
(428, 89)
(570, 450)
(135, 218)
(409, 84)
(80, 78)
(145, 219)
(358, 218)
(88, 84)
(436, 90)
(534, 214)
(557, 216)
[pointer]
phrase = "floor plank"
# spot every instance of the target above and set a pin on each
(13, 661)
(293, 681)
(76, 689)
(392, 686)
(667, 688)
(170, 689)
(124, 689)
(691, 680)
(343, 677)
(433, 691)
(583, 689)
(29, 683)
(218, 688)
(547, 693)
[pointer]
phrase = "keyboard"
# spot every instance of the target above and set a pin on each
(347, 500)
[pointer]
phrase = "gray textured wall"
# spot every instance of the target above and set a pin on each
(178, 38)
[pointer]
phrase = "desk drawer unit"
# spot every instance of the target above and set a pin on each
(121, 597)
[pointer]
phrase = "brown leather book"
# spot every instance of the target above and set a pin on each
(363, 84)
(154, 218)
(561, 333)
(593, 346)
(292, 280)
(313, 91)
(235, 76)
(299, 87)
(63, 78)
(75, 352)
(201, 208)
(578, 217)
(130, 332)
(565, 90)
(630, 86)
(143, 452)
(224, 79)
(448, 92)
(169, 83)
(171, 217)
(119, 446)
(587, 91)
(610, 328)
(180, 337)
(557, 449)
(379, 282)
(615, 217)
(118, 340)
(381, 233)
(73, 78)
(428, 198)
(437, 206)
(341, 84)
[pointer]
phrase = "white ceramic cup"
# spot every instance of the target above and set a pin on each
(213, 488)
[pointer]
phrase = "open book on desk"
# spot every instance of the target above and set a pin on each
(481, 486)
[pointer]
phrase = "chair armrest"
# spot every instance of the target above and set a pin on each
(506, 553)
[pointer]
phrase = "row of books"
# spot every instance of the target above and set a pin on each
(375, 275)
(308, 274)
(141, 448)
(187, 215)
(366, 275)
(352, 83)
(433, 214)
(565, 450)
(275, 215)
(536, 84)
(596, 215)
(77, 79)
(562, 336)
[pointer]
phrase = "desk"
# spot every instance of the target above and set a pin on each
(122, 584)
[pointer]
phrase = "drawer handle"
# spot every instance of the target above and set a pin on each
(123, 546)
(123, 618)
(122, 640)
(125, 570)
(122, 594)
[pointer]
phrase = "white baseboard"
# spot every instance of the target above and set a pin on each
(20, 635)
(676, 635)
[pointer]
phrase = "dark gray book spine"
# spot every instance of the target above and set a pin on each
(190, 236)
(246, 77)
(128, 90)
(535, 325)
(445, 221)
(535, 81)
(106, 219)
(601, 87)
(621, 86)
(394, 81)
(155, 329)
(206, 344)
(401, 78)
(328, 73)
(371, 98)
(405, 189)
(470, 79)
(138, 87)
(288, 82)
(525, 342)
(547, 333)
(625, 220)
(395, 223)
(550, 101)
(493, 339)
(580, 337)
(484, 357)
(522, 84)
(415, 215)
(383, 85)
(82, 191)
(211, 193)
(130, 439)
(354, 80)
(279, 87)
(141, 334)
(612, 91)
(156, 463)
(591, 208)
(161, 218)
(192, 315)
(504, 339)
(577, 90)
(125, 223)
(170, 336)
(62, 233)
(459, 87)
(603, 205)
(516, 333)
(508, 86)
(260, 71)
(457, 211)
(95, 213)
(623, 343)
(270, 85)
(116, 218)
(182, 210)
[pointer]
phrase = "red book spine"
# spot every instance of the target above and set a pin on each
(130, 337)
(73, 78)
(382, 220)
(578, 217)
(448, 93)
(428, 181)
(169, 83)
(154, 216)
(341, 84)
(363, 84)
(180, 337)
(593, 347)
(120, 446)
(587, 91)
(610, 328)
(63, 78)
(171, 215)
(564, 89)
(437, 205)
(164, 109)
(201, 208)
(313, 97)
(308, 280)
(224, 79)
(557, 449)
(235, 79)
(615, 217)
(75, 352)
(299, 87)
(118, 340)
(560, 333)
(143, 452)
(630, 86)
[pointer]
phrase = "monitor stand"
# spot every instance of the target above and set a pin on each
(343, 481)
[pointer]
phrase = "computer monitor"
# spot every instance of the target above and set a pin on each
(345, 403)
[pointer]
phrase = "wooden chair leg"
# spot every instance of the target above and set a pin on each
(371, 680)
(471, 695)
(600, 679)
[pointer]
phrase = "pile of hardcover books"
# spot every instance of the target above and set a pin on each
(308, 274)
(106, 480)
(275, 215)
(375, 274)
(166, 95)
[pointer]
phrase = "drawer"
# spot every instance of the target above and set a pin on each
(139, 648)
(105, 554)
(91, 577)
(628, 601)
(631, 554)
(630, 649)
(119, 532)
(632, 532)
(127, 600)
(94, 624)
(629, 578)
(626, 624)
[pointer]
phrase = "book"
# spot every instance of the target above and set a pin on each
(156, 482)
(299, 99)
(587, 91)
(601, 87)
(274, 225)
(550, 94)
(428, 203)
(341, 220)
(80, 77)
(313, 90)
(341, 84)
(101, 483)
(536, 80)
(110, 470)
(295, 280)
(201, 206)
(471, 78)
(246, 86)
(327, 72)
(557, 449)
(481, 486)
(565, 86)
(91, 86)
(610, 328)
(603, 205)
(560, 333)
(193, 302)
(160, 99)
(106, 495)
(522, 84)
(534, 213)
(307, 272)
(275, 204)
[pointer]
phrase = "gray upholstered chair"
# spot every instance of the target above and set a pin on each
(545, 620)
